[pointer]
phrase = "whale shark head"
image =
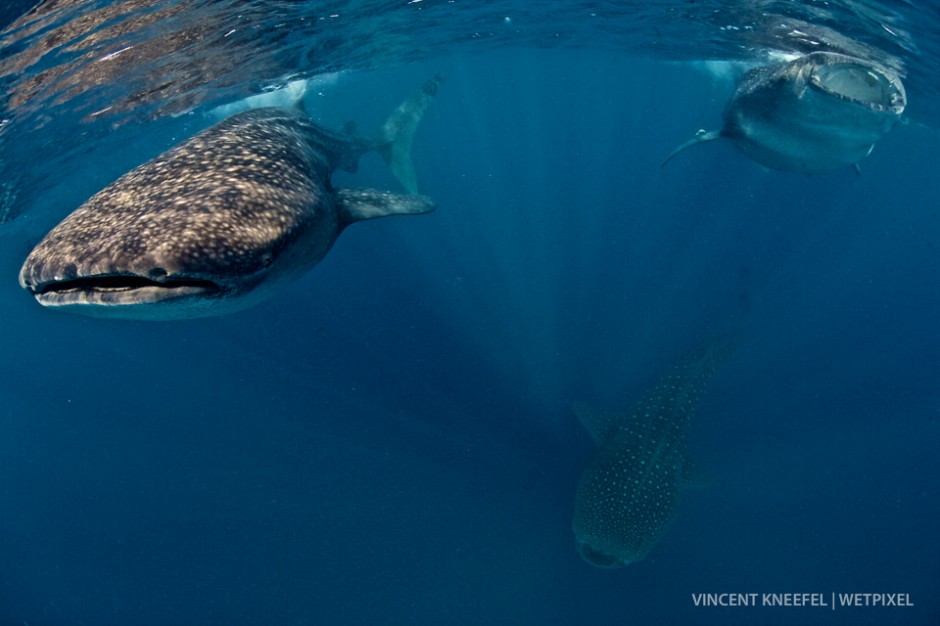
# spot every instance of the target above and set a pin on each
(168, 264)
(817, 113)
(197, 231)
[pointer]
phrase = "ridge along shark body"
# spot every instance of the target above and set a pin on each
(815, 114)
(222, 220)
(627, 494)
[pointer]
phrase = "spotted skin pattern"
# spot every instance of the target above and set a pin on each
(627, 495)
(241, 190)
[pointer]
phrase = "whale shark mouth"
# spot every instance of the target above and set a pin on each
(121, 289)
(860, 84)
(598, 558)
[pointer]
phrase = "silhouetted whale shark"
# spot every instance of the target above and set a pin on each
(223, 219)
(627, 494)
(818, 113)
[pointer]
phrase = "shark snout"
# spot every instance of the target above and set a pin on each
(62, 282)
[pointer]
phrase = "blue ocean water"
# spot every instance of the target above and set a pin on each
(391, 439)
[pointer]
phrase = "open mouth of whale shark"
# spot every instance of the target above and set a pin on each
(598, 558)
(858, 83)
(122, 289)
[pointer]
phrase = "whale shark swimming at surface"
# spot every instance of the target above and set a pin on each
(627, 494)
(818, 113)
(222, 220)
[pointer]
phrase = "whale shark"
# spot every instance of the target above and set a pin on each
(627, 494)
(222, 220)
(815, 114)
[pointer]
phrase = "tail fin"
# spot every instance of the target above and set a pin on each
(398, 133)
(700, 137)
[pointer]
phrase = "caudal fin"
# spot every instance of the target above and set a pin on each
(700, 137)
(398, 133)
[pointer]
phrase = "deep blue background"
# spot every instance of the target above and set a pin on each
(390, 441)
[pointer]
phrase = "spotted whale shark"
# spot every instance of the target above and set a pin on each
(627, 494)
(222, 220)
(818, 113)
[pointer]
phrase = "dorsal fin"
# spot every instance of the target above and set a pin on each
(702, 136)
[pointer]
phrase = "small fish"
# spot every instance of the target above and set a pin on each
(818, 113)
(627, 494)
(222, 220)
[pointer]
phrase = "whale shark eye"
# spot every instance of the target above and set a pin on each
(157, 272)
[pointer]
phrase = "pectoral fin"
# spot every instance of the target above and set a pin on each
(601, 425)
(354, 205)
(702, 136)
